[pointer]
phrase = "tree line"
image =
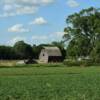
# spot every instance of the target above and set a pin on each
(22, 50)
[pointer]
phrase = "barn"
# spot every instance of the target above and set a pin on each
(50, 54)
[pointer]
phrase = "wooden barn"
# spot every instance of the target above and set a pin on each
(50, 54)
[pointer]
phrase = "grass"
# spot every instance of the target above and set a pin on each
(8, 63)
(38, 82)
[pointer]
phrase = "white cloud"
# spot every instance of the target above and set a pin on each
(33, 2)
(47, 1)
(6, 14)
(19, 7)
(37, 37)
(72, 3)
(18, 28)
(59, 34)
(7, 7)
(13, 10)
(47, 38)
(26, 10)
(16, 39)
(39, 21)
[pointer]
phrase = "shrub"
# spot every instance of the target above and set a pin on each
(70, 62)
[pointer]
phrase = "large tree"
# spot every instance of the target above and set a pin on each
(23, 50)
(83, 28)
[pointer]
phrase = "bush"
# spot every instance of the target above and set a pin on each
(70, 62)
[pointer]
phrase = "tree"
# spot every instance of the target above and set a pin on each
(23, 50)
(96, 52)
(84, 30)
(7, 52)
(36, 51)
(61, 46)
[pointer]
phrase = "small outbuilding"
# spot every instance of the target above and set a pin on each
(50, 54)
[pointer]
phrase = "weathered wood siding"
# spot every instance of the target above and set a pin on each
(43, 56)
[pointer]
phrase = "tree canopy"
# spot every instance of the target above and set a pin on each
(84, 30)
(23, 50)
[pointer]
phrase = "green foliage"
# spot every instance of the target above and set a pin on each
(82, 63)
(20, 50)
(37, 50)
(78, 47)
(84, 31)
(7, 52)
(61, 46)
(23, 50)
(96, 52)
(71, 63)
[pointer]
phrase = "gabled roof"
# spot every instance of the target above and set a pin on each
(52, 51)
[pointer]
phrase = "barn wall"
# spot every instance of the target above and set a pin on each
(55, 59)
(43, 56)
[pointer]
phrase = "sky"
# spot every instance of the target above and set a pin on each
(37, 21)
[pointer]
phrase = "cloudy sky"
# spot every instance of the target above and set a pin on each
(37, 21)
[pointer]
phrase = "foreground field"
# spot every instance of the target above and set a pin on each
(50, 83)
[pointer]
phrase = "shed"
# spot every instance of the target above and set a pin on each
(50, 54)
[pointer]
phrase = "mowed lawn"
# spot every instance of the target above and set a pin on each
(50, 83)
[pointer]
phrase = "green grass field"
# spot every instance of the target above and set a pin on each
(50, 83)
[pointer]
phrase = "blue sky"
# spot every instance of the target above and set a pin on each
(37, 21)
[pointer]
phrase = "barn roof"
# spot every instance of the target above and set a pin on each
(53, 51)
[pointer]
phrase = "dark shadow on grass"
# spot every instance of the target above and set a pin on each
(39, 74)
(34, 65)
